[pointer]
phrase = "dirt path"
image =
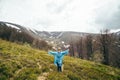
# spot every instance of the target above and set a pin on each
(43, 76)
(39, 65)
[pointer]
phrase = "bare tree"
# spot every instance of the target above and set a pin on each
(72, 49)
(89, 46)
(105, 42)
(79, 45)
(114, 50)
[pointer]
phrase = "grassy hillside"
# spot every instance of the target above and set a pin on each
(21, 62)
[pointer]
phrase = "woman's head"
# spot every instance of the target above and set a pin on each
(59, 49)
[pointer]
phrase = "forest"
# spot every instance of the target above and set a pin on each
(101, 48)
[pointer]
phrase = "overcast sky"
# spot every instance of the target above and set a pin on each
(62, 15)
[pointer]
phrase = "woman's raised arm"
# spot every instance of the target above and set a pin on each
(65, 52)
(52, 52)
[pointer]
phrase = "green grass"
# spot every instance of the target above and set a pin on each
(20, 62)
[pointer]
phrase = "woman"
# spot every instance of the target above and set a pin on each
(58, 57)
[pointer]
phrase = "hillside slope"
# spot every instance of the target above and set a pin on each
(21, 62)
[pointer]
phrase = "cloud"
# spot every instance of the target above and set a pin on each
(109, 15)
(58, 6)
(62, 15)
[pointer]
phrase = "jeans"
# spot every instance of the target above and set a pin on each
(59, 67)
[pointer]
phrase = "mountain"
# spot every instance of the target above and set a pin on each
(21, 62)
(52, 38)
(20, 28)
(118, 33)
(61, 35)
(22, 35)
(55, 37)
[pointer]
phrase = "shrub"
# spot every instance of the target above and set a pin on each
(45, 69)
(28, 74)
(3, 77)
(73, 76)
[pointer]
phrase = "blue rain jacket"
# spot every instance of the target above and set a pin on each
(58, 56)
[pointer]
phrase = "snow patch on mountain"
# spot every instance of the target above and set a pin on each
(60, 35)
(115, 31)
(32, 30)
(9, 25)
